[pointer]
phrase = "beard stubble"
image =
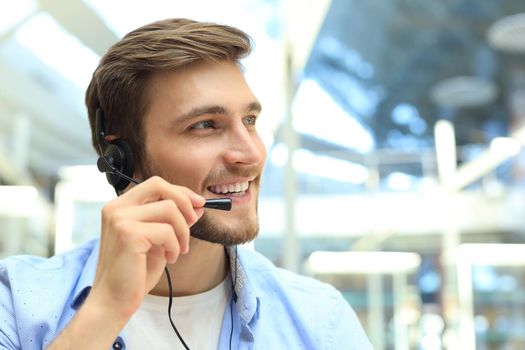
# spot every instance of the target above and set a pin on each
(207, 229)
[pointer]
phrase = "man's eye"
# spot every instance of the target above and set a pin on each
(250, 120)
(204, 124)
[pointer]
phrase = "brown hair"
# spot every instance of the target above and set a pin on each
(120, 82)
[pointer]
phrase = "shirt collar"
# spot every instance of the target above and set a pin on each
(87, 277)
(248, 303)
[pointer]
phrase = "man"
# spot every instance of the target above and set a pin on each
(170, 110)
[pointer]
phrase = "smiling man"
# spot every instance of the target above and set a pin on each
(171, 112)
(205, 139)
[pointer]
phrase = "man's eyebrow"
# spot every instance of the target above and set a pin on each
(254, 107)
(214, 109)
(201, 110)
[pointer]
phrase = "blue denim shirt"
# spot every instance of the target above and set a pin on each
(275, 309)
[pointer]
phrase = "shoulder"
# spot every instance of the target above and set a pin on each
(36, 294)
(302, 296)
(51, 263)
(23, 274)
(316, 310)
(262, 271)
(24, 266)
(31, 279)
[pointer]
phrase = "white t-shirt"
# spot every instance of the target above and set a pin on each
(198, 319)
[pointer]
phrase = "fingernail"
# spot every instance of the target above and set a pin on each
(201, 199)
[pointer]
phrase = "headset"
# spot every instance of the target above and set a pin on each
(117, 162)
(116, 157)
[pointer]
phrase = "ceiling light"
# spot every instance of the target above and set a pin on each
(362, 262)
(505, 145)
(507, 34)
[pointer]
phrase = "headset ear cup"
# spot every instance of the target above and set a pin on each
(122, 160)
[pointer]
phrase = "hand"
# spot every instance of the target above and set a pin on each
(142, 231)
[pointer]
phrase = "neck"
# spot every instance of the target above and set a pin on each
(203, 268)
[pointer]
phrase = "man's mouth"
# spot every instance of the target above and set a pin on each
(234, 189)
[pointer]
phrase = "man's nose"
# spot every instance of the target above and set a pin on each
(244, 147)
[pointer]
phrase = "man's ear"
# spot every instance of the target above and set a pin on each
(110, 138)
(137, 174)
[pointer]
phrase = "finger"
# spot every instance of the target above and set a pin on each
(173, 238)
(197, 200)
(140, 237)
(184, 205)
(189, 198)
(165, 211)
(199, 212)
(156, 188)
(155, 264)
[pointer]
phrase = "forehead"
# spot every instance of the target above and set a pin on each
(200, 84)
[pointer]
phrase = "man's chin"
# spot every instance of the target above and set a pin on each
(207, 229)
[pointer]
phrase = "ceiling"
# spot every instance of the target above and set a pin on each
(393, 66)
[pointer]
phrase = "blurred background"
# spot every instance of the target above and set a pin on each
(394, 129)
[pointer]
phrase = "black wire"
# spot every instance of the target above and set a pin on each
(170, 302)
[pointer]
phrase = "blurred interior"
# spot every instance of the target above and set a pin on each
(394, 129)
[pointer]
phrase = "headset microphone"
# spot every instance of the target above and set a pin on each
(116, 161)
(219, 203)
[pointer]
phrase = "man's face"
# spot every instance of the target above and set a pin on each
(200, 133)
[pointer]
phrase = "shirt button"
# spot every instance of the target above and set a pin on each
(117, 345)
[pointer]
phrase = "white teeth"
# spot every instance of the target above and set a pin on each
(238, 188)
